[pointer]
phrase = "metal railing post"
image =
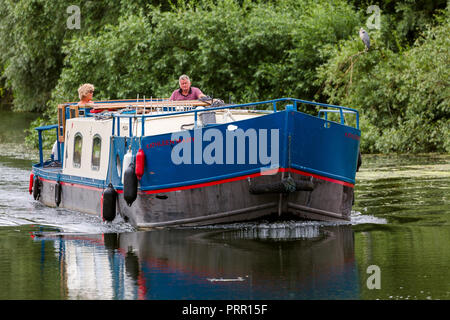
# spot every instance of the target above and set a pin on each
(195, 119)
(58, 145)
(130, 127)
(41, 155)
(113, 125)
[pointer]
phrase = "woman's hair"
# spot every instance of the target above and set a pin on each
(84, 90)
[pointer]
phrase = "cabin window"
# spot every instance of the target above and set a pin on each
(96, 150)
(77, 145)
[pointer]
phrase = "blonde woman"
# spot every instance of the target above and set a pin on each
(85, 92)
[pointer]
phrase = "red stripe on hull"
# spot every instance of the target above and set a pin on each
(303, 173)
(212, 183)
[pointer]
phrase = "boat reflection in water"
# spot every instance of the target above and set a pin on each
(260, 261)
(92, 269)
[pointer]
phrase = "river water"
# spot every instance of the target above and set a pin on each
(397, 245)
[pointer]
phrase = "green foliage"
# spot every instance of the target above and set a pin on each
(22, 29)
(31, 35)
(402, 21)
(403, 97)
(48, 137)
(240, 51)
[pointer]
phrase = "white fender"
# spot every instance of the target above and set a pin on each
(126, 162)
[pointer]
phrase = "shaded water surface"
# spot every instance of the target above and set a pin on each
(400, 224)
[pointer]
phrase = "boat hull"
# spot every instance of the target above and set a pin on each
(246, 198)
(236, 201)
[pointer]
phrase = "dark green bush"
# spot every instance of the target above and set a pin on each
(403, 97)
(240, 51)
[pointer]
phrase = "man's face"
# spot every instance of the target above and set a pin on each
(185, 85)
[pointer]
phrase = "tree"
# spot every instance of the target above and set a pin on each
(403, 96)
(32, 33)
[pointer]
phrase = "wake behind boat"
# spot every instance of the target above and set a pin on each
(170, 163)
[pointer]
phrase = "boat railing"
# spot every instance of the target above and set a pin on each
(40, 130)
(342, 117)
(180, 109)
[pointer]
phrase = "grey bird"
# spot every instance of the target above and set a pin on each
(365, 38)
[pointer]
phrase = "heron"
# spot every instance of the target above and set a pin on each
(365, 38)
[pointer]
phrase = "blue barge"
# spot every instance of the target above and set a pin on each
(163, 163)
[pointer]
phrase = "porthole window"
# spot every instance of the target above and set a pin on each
(96, 151)
(77, 147)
